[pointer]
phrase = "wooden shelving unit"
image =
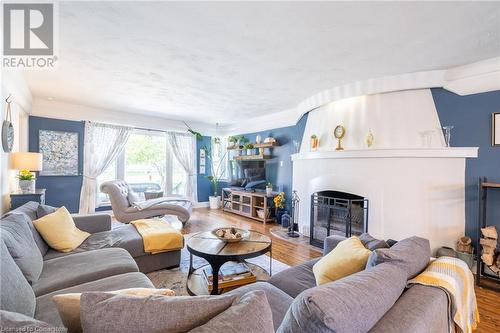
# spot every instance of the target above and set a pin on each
(246, 203)
(484, 186)
(252, 157)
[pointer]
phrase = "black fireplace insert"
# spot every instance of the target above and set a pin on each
(337, 213)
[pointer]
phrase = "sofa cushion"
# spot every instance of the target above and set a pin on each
(103, 312)
(352, 304)
(348, 257)
(125, 237)
(278, 300)
(411, 254)
(29, 209)
(68, 305)
(83, 267)
(46, 309)
(59, 231)
(16, 293)
(17, 322)
(296, 279)
(250, 313)
(371, 243)
(43, 210)
(416, 303)
(17, 236)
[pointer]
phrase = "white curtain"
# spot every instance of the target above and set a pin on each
(184, 148)
(102, 144)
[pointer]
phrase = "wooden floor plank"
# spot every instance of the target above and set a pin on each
(292, 254)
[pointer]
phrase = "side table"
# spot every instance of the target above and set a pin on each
(19, 198)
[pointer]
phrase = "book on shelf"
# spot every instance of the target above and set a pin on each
(230, 275)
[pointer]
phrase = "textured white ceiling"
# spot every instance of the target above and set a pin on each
(228, 61)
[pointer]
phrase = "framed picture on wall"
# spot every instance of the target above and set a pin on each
(60, 153)
(495, 129)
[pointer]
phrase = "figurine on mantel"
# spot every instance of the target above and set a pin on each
(314, 142)
(369, 138)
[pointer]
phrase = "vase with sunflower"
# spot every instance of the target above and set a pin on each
(26, 181)
(279, 204)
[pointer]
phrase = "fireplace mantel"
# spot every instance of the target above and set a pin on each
(454, 152)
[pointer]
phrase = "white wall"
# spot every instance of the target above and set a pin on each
(396, 120)
(13, 83)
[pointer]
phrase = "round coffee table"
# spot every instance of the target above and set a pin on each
(217, 252)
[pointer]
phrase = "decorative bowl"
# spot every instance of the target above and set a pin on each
(234, 231)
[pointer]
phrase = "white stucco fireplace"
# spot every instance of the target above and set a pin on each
(414, 186)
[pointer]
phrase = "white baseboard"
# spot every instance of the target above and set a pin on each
(203, 204)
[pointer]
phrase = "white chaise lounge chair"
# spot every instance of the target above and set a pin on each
(125, 211)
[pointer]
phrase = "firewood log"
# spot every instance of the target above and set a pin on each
(488, 242)
(464, 244)
(488, 250)
(487, 258)
(489, 232)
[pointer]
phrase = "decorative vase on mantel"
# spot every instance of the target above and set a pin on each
(27, 186)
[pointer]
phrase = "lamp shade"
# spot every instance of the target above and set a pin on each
(25, 160)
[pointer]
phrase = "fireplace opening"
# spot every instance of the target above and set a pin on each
(337, 213)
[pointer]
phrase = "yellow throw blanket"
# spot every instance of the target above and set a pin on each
(455, 278)
(158, 236)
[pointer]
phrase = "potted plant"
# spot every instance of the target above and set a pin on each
(314, 142)
(249, 148)
(279, 204)
(242, 141)
(26, 181)
(233, 141)
(269, 188)
(218, 172)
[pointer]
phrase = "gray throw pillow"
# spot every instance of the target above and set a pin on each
(411, 254)
(250, 313)
(16, 322)
(352, 304)
(16, 293)
(372, 243)
(102, 312)
(17, 236)
(43, 210)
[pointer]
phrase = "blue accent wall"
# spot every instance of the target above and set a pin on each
(61, 190)
(471, 116)
(281, 176)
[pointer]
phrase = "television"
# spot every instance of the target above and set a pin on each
(249, 175)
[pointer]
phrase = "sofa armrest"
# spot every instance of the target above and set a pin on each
(331, 242)
(93, 223)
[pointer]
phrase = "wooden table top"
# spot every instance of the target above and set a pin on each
(206, 243)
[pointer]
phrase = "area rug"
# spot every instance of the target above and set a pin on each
(176, 278)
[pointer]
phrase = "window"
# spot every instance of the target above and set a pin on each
(147, 164)
(146, 161)
(219, 156)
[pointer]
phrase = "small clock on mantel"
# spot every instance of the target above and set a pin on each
(339, 133)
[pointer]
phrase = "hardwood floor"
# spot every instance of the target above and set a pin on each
(204, 219)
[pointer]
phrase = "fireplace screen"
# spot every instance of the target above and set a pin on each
(337, 213)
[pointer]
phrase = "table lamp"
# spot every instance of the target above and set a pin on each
(26, 162)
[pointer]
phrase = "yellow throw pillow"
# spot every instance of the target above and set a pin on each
(348, 257)
(59, 230)
(68, 305)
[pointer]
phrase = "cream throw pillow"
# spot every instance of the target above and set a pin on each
(348, 257)
(59, 230)
(68, 305)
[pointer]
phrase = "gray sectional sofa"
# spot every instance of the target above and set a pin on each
(102, 236)
(375, 300)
